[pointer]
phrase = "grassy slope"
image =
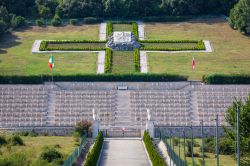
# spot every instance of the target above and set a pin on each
(225, 160)
(16, 57)
(231, 55)
(123, 62)
(67, 146)
(122, 27)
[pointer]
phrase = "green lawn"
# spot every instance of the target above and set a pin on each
(16, 57)
(163, 46)
(231, 49)
(122, 27)
(35, 145)
(123, 62)
(72, 46)
(225, 160)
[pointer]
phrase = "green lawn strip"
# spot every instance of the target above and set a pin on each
(74, 45)
(210, 159)
(122, 27)
(172, 45)
(35, 145)
(123, 62)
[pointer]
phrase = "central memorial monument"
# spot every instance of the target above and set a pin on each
(122, 41)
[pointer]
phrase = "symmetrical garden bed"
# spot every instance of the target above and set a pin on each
(72, 45)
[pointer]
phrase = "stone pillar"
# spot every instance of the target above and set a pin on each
(150, 128)
(96, 126)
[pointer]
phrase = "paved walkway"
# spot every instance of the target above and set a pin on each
(125, 152)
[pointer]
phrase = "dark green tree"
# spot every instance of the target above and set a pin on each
(240, 16)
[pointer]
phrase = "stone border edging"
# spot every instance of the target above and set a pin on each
(143, 62)
(102, 32)
(141, 31)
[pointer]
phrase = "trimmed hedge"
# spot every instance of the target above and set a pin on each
(135, 30)
(200, 45)
(170, 41)
(93, 155)
(155, 158)
(109, 28)
(226, 79)
(44, 45)
(40, 79)
(166, 18)
(108, 60)
(137, 60)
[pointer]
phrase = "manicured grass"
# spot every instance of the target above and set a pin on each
(230, 56)
(75, 46)
(122, 27)
(35, 145)
(16, 57)
(225, 160)
(123, 62)
(162, 46)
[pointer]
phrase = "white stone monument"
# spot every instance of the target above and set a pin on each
(96, 125)
(122, 37)
(150, 125)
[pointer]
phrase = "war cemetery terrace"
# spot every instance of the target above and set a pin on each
(124, 84)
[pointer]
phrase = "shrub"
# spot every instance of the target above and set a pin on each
(18, 21)
(2, 140)
(137, 60)
(138, 77)
(135, 29)
(50, 155)
(56, 21)
(226, 79)
(93, 155)
(39, 22)
(109, 28)
(92, 20)
(16, 140)
(73, 21)
(108, 61)
(82, 127)
(155, 158)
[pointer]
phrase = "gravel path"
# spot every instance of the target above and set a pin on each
(141, 30)
(143, 62)
(102, 33)
(101, 62)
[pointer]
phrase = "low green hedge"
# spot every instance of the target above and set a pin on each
(137, 60)
(166, 18)
(108, 60)
(155, 158)
(226, 79)
(138, 77)
(170, 41)
(109, 28)
(93, 155)
(44, 45)
(135, 29)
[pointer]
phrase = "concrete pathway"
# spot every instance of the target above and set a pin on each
(124, 152)
(101, 62)
(143, 62)
(102, 33)
(141, 30)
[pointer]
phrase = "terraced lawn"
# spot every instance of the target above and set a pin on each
(123, 62)
(16, 57)
(231, 49)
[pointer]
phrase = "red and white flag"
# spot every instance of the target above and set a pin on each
(193, 64)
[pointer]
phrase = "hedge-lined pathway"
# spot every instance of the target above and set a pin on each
(123, 152)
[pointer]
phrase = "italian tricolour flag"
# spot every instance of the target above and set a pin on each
(51, 62)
